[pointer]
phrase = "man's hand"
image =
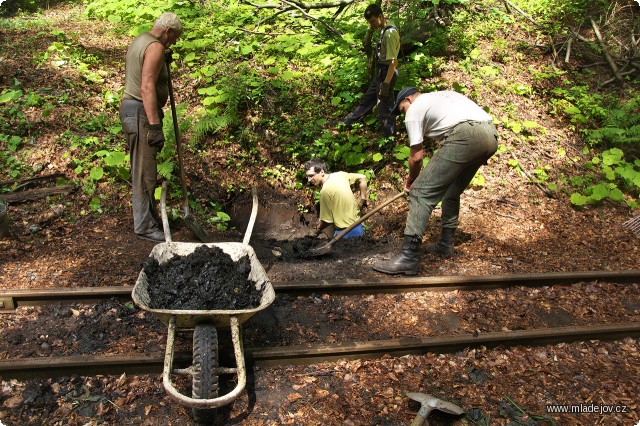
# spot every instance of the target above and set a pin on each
(168, 56)
(384, 90)
(155, 137)
(314, 233)
(407, 186)
(362, 204)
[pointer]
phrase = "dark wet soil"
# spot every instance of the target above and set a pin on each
(207, 279)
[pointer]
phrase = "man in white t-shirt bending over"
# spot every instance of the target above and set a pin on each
(468, 139)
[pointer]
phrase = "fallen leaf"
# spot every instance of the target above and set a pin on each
(121, 380)
(321, 393)
(294, 397)
(13, 402)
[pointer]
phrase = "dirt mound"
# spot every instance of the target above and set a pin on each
(207, 279)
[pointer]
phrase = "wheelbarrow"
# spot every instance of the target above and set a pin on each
(204, 399)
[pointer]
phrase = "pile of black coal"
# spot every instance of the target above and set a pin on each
(207, 279)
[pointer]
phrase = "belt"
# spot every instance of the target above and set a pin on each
(475, 122)
(131, 100)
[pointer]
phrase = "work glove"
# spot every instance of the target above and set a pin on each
(407, 186)
(168, 56)
(362, 204)
(155, 137)
(384, 91)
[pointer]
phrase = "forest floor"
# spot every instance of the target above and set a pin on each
(508, 226)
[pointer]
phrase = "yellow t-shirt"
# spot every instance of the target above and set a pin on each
(337, 203)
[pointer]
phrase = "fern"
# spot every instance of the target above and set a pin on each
(621, 126)
(210, 123)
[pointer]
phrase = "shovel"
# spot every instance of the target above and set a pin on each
(191, 222)
(429, 403)
(633, 225)
(327, 247)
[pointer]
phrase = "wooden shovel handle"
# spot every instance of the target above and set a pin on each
(176, 130)
(365, 217)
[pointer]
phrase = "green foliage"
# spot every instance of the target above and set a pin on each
(621, 126)
(66, 53)
(14, 101)
(11, 7)
(579, 103)
(556, 16)
(116, 162)
(609, 177)
(9, 160)
(272, 83)
(220, 220)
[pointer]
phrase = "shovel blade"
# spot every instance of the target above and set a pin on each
(320, 251)
(196, 228)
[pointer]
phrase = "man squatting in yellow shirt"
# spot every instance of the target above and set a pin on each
(338, 206)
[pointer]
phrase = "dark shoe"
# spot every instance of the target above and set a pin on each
(444, 247)
(406, 262)
(156, 236)
(343, 124)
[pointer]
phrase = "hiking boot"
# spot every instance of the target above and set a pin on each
(444, 247)
(344, 125)
(406, 262)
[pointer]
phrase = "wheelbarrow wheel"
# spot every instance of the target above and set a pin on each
(205, 370)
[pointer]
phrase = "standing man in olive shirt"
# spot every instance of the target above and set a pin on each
(380, 90)
(145, 94)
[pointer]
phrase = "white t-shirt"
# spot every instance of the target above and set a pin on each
(433, 114)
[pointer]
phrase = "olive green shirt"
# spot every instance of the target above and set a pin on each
(133, 71)
(389, 44)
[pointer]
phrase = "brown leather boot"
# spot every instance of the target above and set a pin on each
(406, 262)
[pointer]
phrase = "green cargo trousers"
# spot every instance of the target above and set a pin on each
(464, 149)
(144, 168)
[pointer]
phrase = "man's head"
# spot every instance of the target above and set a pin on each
(315, 171)
(169, 28)
(407, 94)
(374, 16)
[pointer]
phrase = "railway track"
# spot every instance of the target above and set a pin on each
(13, 299)
(288, 355)
(46, 367)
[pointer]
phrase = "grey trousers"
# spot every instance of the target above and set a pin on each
(144, 168)
(465, 148)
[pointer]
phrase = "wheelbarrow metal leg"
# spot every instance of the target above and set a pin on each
(204, 403)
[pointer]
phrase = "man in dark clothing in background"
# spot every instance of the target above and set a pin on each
(145, 94)
(380, 90)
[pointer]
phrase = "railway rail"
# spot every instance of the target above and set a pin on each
(46, 367)
(287, 355)
(10, 300)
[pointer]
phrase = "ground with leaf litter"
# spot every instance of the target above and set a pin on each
(507, 226)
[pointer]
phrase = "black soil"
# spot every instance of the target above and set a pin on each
(207, 279)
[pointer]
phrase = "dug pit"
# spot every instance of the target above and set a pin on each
(206, 279)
